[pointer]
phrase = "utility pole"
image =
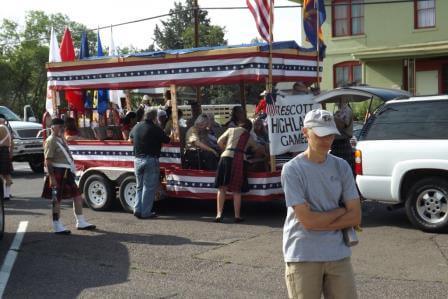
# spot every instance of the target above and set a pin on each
(196, 23)
(196, 41)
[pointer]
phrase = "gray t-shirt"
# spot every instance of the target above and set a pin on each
(321, 185)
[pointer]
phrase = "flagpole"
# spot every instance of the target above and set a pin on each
(316, 5)
(269, 85)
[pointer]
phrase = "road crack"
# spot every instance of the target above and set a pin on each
(227, 262)
(445, 255)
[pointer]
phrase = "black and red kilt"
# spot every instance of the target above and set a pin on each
(5, 161)
(66, 186)
(343, 149)
(224, 174)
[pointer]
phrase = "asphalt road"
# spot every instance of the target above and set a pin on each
(183, 254)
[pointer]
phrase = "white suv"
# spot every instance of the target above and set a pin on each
(28, 146)
(402, 158)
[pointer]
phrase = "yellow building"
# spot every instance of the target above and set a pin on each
(393, 45)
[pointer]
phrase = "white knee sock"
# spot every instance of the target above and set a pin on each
(7, 192)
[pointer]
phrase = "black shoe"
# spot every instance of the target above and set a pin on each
(151, 216)
(238, 220)
(64, 232)
(6, 198)
(89, 227)
(218, 219)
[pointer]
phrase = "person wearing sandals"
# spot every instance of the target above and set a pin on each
(60, 180)
(232, 166)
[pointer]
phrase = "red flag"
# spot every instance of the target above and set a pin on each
(261, 9)
(74, 98)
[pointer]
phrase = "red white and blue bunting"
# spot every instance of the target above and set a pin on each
(220, 69)
(199, 184)
(117, 154)
(187, 183)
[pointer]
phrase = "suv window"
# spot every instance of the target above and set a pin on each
(409, 120)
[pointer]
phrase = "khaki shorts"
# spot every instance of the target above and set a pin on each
(309, 280)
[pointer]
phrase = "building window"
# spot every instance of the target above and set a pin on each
(424, 14)
(348, 17)
(347, 73)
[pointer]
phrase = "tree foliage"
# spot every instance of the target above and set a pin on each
(23, 54)
(177, 32)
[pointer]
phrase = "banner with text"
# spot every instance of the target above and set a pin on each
(285, 126)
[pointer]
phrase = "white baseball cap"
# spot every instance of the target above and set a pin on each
(322, 122)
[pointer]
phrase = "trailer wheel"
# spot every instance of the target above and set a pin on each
(128, 193)
(99, 192)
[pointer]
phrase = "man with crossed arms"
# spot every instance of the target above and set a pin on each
(315, 182)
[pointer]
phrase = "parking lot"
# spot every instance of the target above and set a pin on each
(184, 254)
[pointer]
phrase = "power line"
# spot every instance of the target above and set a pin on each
(327, 5)
(216, 8)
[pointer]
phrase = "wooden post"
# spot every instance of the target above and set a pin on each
(316, 7)
(128, 100)
(196, 41)
(269, 82)
(54, 102)
(243, 96)
(174, 115)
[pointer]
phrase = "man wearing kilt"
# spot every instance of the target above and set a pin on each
(60, 180)
(341, 146)
(232, 166)
(6, 147)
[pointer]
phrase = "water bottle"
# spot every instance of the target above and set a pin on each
(349, 233)
(350, 237)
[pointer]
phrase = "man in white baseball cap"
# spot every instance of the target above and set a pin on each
(316, 185)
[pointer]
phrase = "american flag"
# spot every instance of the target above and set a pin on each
(260, 9)
(270, 104)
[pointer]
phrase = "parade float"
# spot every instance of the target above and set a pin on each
(103, 166)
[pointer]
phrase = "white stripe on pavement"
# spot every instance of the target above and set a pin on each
(11, 256)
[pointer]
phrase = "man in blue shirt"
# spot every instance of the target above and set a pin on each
(315, 182)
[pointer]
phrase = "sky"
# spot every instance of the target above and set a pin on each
(239, 24)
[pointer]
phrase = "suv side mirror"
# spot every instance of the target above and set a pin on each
(28, 114)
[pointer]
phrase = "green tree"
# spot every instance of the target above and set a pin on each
(23, 54)
(209, 35)
(178, 31)
(9, 37)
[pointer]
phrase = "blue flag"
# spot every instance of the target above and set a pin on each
(99, 47)
(310, 9)
(103, 94)
(84, 51)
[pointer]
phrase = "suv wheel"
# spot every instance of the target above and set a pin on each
(427, 204)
